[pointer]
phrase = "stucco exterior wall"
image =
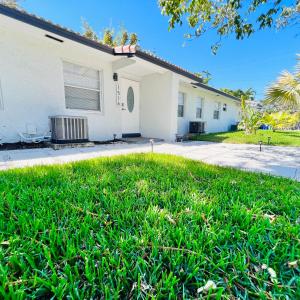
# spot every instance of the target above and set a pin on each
(159, 106)
(32, 83)
(227, 118)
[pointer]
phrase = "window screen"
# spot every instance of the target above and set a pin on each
(199, 107)
(180, 112)
(216, 114)
(82, 87)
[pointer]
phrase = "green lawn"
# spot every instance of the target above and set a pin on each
(278, 138)
(146, 225)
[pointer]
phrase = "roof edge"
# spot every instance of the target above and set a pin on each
(162, 63)
(212, 89)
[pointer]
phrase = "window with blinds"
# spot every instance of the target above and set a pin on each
(199, 107)
(83, 87)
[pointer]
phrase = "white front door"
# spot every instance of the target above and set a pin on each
(130, 95)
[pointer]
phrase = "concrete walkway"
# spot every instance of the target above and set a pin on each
(281, 161)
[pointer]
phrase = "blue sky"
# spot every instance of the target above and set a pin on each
(254, 62)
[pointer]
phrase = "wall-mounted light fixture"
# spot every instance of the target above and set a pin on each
(118, 92)
(224, 107)
(115, 77)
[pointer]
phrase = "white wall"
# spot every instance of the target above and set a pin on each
(32, 83)
(159, 106)
(31, 77)
(227, 118)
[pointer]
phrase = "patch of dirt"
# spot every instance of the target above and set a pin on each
(109, 142)
(20, 146)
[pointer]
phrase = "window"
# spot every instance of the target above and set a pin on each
(199, 107)
(130, 99)
(181, 98)
(217, 109)
(83, 87)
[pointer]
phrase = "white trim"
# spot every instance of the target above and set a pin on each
(199, 99)
(100, 90)
(181, 103)
(217, 108)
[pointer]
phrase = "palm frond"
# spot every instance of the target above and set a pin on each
(285, 91)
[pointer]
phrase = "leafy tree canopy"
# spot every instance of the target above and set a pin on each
(241, 18)
(281, 120)
(89, 32)
(248, 94)
(110, 36)
(204, 75)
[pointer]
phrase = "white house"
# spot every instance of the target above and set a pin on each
(47, 70)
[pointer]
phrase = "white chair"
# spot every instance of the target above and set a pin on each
(31, 135)
(29, 138)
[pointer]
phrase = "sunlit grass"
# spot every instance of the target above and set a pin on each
(278, 138)
(145, 225)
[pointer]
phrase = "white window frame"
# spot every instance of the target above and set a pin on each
(100, 90)
(217, 110)
(197, 106)
(181, 104)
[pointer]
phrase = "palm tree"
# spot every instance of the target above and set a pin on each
(286, 90)
(248, 94)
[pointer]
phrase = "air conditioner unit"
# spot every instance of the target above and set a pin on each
(197, 127)
(69, 129)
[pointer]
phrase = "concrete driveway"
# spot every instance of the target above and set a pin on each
(281, 161)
